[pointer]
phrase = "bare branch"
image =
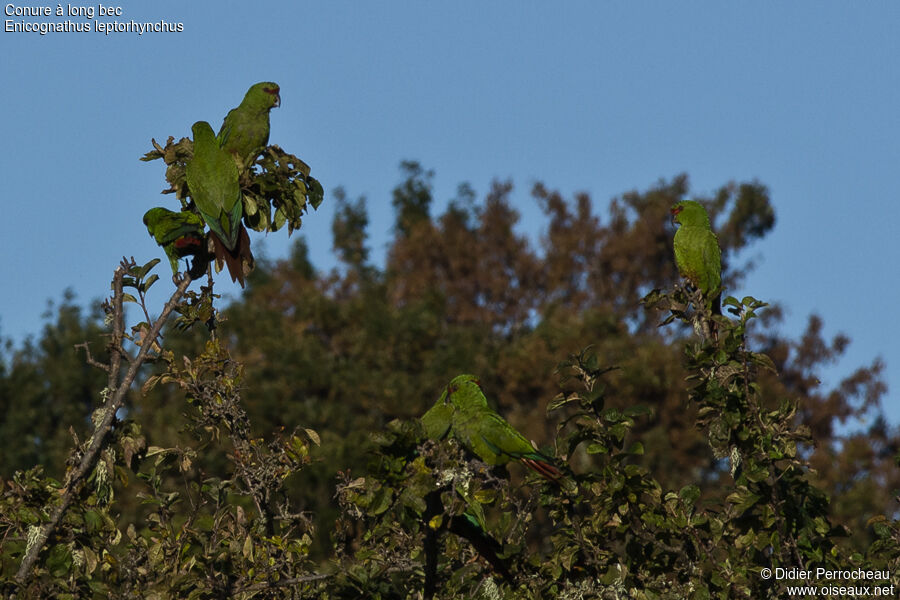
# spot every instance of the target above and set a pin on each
(90, 359)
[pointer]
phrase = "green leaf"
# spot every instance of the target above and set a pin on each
(139, 272)
(316, 193)
(486, 496)
(59, 560)
(313, 436)
(93, 521)
(381, 500)
(279, 220)
(731, 301)
(763, 360)
(597, 448)
(743, 499)
(638, 410)
(689, 493)
(250, 206)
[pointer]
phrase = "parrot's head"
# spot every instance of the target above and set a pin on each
(461, 382)
(263, 95)
(203, 133)
(153, 216)
(689, 212)
(274, 92)
(464, 391)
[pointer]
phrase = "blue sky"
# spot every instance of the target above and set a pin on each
(585, 96)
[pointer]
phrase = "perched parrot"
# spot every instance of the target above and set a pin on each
(212, 179)
(179, 233)
(697, 253)
(245, 130)
(463, 411)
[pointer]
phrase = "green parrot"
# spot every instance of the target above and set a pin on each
(245, 130)
(179, 233)
(212, 178)
(697, 252)
(463, 411)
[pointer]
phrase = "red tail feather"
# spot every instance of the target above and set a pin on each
(545, 470)
(240, 262)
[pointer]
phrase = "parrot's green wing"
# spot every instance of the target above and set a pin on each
(697, 252)
(212, 179)
(497, 442)
(179, 233)
(469, 425)
(501, 439)
(245, 130)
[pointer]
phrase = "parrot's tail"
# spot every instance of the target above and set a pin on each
(542, 468)
(239, 262)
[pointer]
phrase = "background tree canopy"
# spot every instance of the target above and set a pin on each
(348, 352)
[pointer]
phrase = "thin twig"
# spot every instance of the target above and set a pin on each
(257, 587)
(211, 324)
(90, 359)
